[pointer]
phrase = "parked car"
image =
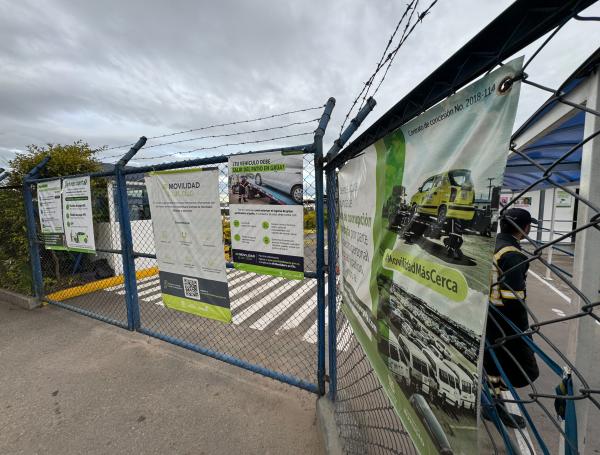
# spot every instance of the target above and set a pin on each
(449, 195)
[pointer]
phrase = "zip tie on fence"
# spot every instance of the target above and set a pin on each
(390, 56)
(217, 125)
(258, 141)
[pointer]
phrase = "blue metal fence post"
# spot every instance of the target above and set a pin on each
(131, 295)
(332, 242)
(319, 133)
(332, 279)
(34, 249)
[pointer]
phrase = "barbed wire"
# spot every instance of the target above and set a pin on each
(217, 125)
(213, 147)
(411, 7)
(215, 136)
(404, 38)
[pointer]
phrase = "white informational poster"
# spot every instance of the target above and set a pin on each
(188, 234)
(78, 219)
(267, 213)
(51, 217)
(563, 199)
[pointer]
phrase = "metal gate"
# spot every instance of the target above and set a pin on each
(278, 325)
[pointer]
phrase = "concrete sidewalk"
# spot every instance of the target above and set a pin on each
(72, 385)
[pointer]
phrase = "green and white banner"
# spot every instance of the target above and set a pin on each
(51, 217)
(77, 214)
(417, 216)
(188, 235)
(267, 214)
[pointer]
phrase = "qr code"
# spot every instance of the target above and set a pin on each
(191, 288)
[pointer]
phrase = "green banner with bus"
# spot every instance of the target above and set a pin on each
(418, 215)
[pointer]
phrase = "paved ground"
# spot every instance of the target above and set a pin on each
(74, 385)
(274, 320)
(274, 324)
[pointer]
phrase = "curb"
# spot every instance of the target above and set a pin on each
(20, 300)
(328, 427)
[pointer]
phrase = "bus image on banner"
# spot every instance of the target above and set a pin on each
(415, 269)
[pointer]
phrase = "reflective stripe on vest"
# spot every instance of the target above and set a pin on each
(497, 294)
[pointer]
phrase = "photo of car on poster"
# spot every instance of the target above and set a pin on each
(416, 243)
(281, 184)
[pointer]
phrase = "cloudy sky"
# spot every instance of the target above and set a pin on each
(108, 72)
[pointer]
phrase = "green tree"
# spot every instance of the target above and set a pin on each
(310, 219)
(76, 158)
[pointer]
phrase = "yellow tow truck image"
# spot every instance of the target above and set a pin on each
(442, 207)
(449, 195)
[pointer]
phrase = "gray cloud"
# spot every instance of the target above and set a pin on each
(109, 72)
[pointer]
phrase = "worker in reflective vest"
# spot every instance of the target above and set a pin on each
(508, 296)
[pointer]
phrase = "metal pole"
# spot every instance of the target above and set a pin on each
(332, 242)
(540, 216)
(332, 280)
(131, 295)
(584, 332)
(319, 133)
(351, 129)
(34, 249)
(552, 217)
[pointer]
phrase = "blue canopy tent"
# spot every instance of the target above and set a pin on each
(548, 134)
(520, 173)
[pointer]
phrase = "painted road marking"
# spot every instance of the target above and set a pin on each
(142, 286)
(122, 286)
(521, 435)
(279, 308)
(561, 294)
(244, 287)
(152, 298)
(151, 290)
(303, 311)
(245, 314)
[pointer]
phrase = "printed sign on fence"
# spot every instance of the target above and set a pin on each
(51, 216)
(416, 271)
(77, 214)
(188, 235)
(267, 214)
(563, 199)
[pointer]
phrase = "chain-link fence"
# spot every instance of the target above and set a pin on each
(88, 283)
(277, 327)
(274, 320)
(555, 412)
(278, 324)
